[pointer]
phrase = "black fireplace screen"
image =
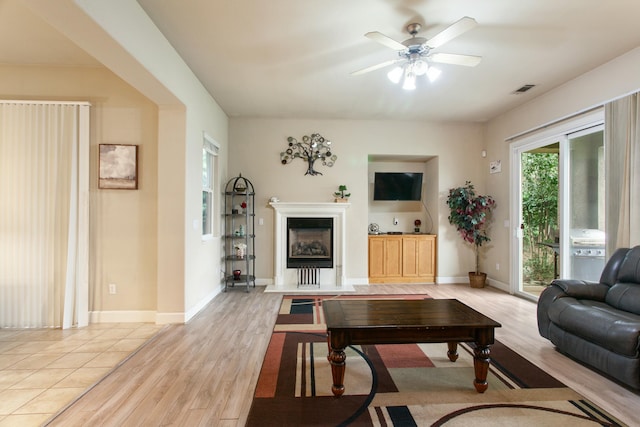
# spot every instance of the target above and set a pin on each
(310, 242)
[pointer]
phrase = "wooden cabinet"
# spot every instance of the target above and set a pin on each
(385, 256)
(409, 258)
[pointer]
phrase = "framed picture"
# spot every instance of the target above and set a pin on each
(118, 166)
(495, 167)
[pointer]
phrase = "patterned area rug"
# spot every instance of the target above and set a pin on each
(402, 385)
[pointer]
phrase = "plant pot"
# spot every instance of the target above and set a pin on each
(477, 280)
(342, 200)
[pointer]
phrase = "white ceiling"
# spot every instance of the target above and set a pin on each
(293, 59)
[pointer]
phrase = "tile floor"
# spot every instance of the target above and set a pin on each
(42, 371)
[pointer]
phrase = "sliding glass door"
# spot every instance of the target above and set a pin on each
(585, 200)
(558, 206)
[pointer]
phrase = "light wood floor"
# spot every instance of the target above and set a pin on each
(204, 373)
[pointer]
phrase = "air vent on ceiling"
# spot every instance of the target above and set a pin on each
(523, 89)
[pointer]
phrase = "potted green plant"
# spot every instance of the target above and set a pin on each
(469, 213)
(340, 195)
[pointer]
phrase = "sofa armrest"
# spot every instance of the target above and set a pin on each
(582, 289)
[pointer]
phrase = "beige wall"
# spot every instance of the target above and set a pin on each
(255, 152)
(187, 273)
(123, 222)
(619, 77)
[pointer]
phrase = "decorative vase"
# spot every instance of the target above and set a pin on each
(241, 249)
(477, 280)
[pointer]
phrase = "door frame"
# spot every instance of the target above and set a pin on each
(545, 135)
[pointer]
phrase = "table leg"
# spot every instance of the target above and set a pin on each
(481, 367)
(337, 359)
(453, 351)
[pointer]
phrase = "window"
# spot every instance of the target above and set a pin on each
(209, 182)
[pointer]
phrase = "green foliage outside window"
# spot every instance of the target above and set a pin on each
(540, 214)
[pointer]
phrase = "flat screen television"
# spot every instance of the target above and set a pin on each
(397, 186)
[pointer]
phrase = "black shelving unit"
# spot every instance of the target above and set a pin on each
(239, 226)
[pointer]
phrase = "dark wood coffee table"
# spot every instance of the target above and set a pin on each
(382, 321)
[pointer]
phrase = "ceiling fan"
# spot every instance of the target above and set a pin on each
(416, 53)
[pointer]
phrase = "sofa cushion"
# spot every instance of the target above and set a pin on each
(624, 296)
(630, 268)
(598, 322)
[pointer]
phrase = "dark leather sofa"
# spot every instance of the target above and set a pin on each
(598, 323)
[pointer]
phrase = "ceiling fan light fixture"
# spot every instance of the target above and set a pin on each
(395, 75)
(409, 80)
(433, 73)
(420, 67)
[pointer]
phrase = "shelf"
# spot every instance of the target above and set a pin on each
(237, 258)
(243, 278)
(243, 219)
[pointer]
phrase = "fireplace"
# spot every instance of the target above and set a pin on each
(332, 216)
(309, 242)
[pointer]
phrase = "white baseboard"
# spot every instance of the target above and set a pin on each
(122, 316)
(452, 279)
(169, 318)
(201, 304)
(499, 285)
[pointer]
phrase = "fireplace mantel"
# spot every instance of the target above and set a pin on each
(330, 278)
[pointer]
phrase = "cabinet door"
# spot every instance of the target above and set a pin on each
(376, 257)
(393, 256)
(385, 257)
(426, 257)
(410, 248)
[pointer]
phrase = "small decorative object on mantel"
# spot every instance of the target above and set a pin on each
(417, 223)
(340, 195)
(312, 148)
(469, 214)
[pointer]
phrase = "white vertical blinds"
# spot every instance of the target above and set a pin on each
(43, 224)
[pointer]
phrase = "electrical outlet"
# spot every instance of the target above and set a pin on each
(497, 266)
(112, 288)
(395, 221)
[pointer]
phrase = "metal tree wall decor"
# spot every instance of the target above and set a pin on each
(312, 148)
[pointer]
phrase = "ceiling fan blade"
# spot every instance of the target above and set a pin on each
(376, 67)
(385, 41)
(452, 58)
(452, 31)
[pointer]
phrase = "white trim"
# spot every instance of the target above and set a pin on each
(499, 285)
(560, 128)
(554, 132)
(169, 318)
(202, 304)
(210, 146)
(122, 316)
(441, 280)
(337, 211)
